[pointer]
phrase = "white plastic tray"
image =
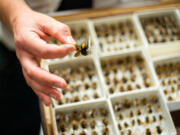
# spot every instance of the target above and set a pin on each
(91, 105)
(83, 61)
(156, 13)
(166, 123)
(118, 42)
(148, 68)
(173, 105)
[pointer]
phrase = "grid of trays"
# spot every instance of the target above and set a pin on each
(118, 88)
(100, 114)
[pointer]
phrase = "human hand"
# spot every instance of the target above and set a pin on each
(30, 30)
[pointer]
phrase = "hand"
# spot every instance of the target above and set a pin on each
(30, 30)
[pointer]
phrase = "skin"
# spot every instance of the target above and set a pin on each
(30, 30)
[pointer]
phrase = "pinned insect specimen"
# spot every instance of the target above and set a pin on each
(119, 126)
(159, 130)
(94, 132)
(75, 124)
(62, 127)
(82, 133)
(103, 112)
(105, 131)
(148, 131)
(83, 49)
(105, 121)
(126, 103)
(83, 123)
(93, 123)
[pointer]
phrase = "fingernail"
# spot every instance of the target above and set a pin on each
(62, 84)
(57, 85)
(72, 48)
(54, 96)
(70, 40)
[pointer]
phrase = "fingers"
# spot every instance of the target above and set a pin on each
(34, 72)
(60, 31)
(42, 88)
(46, 99)
(52, 92)
(42, 35)
(36, 46)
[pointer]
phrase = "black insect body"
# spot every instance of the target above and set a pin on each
(82, 49)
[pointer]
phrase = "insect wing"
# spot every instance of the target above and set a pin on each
(77, 54)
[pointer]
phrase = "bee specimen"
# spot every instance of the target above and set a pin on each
(75, 124)
(81, 36)
(138, 112)
(94, 132)
(117, 107)
(126, 125)
(105, 121)
(84, 114)
(159, 130)
(147, 119)
(148, 131)
(82, 49)
(76, 99)
(93, 123)
(129, 132)
(105, 131)
(85, 97)
(120, 117)
(119, 126)
(62, 127)
(131, 114)
(83, 133)
(133, 122)
(139, 121)
(160, 117)
(126, 103)
(111, 90)
(103, 112)
(83, 123)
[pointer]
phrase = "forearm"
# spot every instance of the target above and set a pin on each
(10, 10)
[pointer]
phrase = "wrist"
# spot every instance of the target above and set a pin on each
(16, 16)
(10, 10)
